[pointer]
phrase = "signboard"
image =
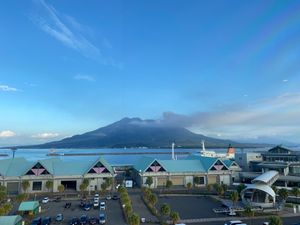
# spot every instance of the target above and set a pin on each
(128, 183)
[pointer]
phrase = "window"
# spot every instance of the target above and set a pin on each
(37, 185)
(199, 180)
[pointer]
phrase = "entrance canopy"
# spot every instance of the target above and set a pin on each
(29, 206)
(267, 178)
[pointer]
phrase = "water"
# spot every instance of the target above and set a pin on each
(36, 154)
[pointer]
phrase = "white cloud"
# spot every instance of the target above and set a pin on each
(7, 88)
(84, 77)
(45, 135)
(7, 134)
(285, 80)
(52, 23)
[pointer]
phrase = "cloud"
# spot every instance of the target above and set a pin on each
(84, 77)
(277, 116)
(68, 31)
(7, 134)
(7, 88)
(285, 80)
(45, 135)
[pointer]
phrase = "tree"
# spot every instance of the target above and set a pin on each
(234, 197)
(22, 197)
(86, 181)
(283, 193)
(225, 187)
(153, 199)
(219, 190)
(174, 217)
(128, 209)
(275, 220)
(165, 209)
(82, 187)
(295, 191)
(240, 187)
(2, 196)
(134, 219)
(209, 187)
(147, 193)
(3, 188)
(25, 185)
(149, 181)
(169, 183)
(61, 188)
(49, 185)
(189, 185)
(5, 209)
(275, 189)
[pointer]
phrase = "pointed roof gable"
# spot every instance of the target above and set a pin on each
(100, 166)
(218, 165)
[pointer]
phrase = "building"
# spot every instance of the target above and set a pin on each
(29, 207)
(71, 174)
(183, 171)
(283, 160)
(248, 160)
(11, 220)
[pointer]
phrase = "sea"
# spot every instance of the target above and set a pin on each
(124, 159)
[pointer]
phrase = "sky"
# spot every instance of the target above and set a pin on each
(227, 69)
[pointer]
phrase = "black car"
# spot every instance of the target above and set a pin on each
(115, 197)
(36, 221)
(74, 221)
(83, 219)
(93, 221)
(46, 221)
(57, 199)
(68, 205)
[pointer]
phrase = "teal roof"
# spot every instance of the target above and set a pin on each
(10, 220)
(192, 163)
(55, 166)
(28, 206)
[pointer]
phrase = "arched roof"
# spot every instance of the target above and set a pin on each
(267, 178)
(261, 187)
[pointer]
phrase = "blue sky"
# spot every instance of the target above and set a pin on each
(227, 69)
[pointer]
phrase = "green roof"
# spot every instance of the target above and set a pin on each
(10, 220)
(192, 163)
(55, 166)
(28, 206)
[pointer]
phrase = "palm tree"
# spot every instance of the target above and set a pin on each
(153, 199)
(61, 188)
(169, 184)
(295, 191)
(149, 181)
(165, 209)
(174, 217)
(283, 193)
(49, 185)
(25, 185)
(275, 220)
(134, 219)
(234, 196)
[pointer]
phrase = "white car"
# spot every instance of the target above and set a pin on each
(45, 200)
(234, 222)
(102, 205)
(102, 218)
(96, 204)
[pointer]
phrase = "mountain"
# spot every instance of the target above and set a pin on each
(135, 132)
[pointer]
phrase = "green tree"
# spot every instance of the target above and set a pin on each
(61, 188)
(174, 217)
(240, 187)
(22, 197)
(3, 188)
(49, 185)
(86, 181)
(225, 187)
(275, 189)
(219, 190)
(283, 193)
(169, 183)
(275, 220)
(165, 209)
(234, 197)
(25, 185)
(147, 193)
(149, 181)
(153, 199)
(209, 187)
(134, 219)
(82, 187)
(128, 209)
(2, 196)
(189, 185)
(5, 209)
(295, 191)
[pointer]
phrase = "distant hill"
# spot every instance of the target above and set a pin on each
(134, 132)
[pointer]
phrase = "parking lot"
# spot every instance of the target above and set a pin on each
(113, 211)
(191, 207)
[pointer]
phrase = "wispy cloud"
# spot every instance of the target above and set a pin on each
(7, 88)
(68, 31)
(84, 77)
(45, 135)
(7, 134)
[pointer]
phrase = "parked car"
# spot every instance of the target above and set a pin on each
(36, 221)
(93, 221)
(46, 221)
(102, 205)
(57, 199)
(59, 217)
(108, 197)
(102, 218)
(115, 197)
(68, 205)
(96, 204)
(83, 219)
(45, 200)
(234, 222)
(74, 221)
(87, 207)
